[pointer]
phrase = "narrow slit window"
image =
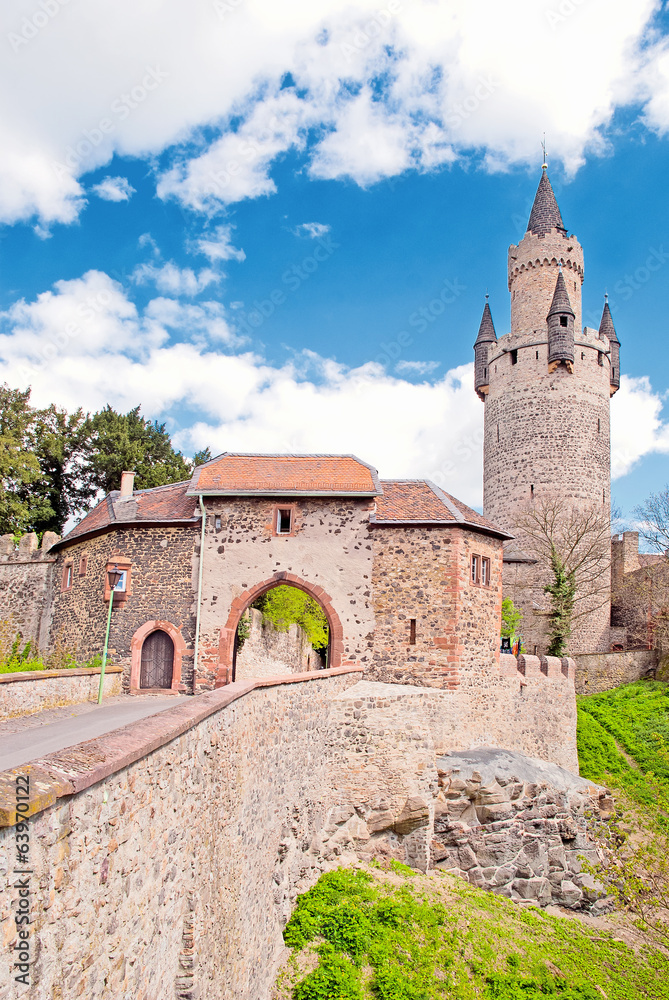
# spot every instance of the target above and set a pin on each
(599, 425)
(284, 521)
(485, 572)
(582, 356)
(532, 490)
(514, 356)
(83, 565)
(67, 576)
(613, 373)
(412, 631)
(476, 569)
(600, 359)
(485, 373)
(217, 524)
(537, 354)
(498, 432)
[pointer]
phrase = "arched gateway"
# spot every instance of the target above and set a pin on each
(244, 601)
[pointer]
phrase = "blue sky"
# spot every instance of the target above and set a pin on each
(276, 233)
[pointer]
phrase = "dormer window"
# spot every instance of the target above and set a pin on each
(564, 321)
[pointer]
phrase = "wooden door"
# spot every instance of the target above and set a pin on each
(157, 661)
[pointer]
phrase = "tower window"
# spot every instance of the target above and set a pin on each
(532, 490)
(485, 373)
(564, 321)
(600, 358)
(412, 631)
(582, 356)
(498, 433)
(613, 373)
(599, 425)
(537, 353)
(514, 357)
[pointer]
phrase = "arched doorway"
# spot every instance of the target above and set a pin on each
(240, 604)
(157, 664)
(141, 654)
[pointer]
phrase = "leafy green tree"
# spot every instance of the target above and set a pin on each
(60, 442)
(562, 593)
(511, 618)
(20, 505)
(200, 457)
(284, 606)
(119, 441)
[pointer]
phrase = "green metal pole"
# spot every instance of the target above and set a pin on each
(104, 651)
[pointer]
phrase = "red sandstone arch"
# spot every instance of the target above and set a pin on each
(241, 603)
(136, 654)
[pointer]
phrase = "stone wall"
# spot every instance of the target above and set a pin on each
(266, 652)
(25, 587)
(163, 580)
(37, 690)
(603, 671)
(166, 857)
(168, 873)
(423, 573)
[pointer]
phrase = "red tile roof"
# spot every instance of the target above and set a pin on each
(418, 501)
(162, 503)
(306, 475)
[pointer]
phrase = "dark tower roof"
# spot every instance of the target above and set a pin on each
(560, 303)
(487, 333)
(606, 326)
(545, 214)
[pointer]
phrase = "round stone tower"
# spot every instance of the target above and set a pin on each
(546, 386)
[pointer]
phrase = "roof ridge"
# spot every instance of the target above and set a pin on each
(445, 499)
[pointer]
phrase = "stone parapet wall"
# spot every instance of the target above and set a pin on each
(603, 671)
(38, 690)
(167, 855)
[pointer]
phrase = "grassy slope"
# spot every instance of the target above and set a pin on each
(402, 936)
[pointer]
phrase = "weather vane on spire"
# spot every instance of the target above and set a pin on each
(543, 147)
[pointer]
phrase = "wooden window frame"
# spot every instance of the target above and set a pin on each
(479, 570)
(83, 565)
(412, 631)
(67, 578)
(275, 520)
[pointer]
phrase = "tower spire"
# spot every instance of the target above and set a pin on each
(560, 320)
(608, 330)
(545, 214)
(486, 336)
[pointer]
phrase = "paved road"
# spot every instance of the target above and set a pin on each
(22, 741)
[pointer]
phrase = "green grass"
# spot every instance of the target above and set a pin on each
(436, 937)
(634, 717)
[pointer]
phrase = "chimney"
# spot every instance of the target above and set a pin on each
(127, 479)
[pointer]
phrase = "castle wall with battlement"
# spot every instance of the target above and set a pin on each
(533, 268)
(26, 583)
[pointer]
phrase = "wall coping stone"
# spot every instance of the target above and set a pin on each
(43, 675)
(76, 768)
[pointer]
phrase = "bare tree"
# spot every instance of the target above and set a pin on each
(653, 518)
(572, 546)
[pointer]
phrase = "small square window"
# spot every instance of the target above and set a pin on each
(564, 321)
(476, 569)
(284, 520)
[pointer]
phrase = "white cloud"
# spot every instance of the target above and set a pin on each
(171, 279)
(637, 428)
(217, 246)
(379, 90)
(114, 189)
(312, 229)
(84, 343)
(416, 367)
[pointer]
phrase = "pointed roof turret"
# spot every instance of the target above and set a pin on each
(560, 303)
(487, 333)
(545, 214)
(606, 326)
